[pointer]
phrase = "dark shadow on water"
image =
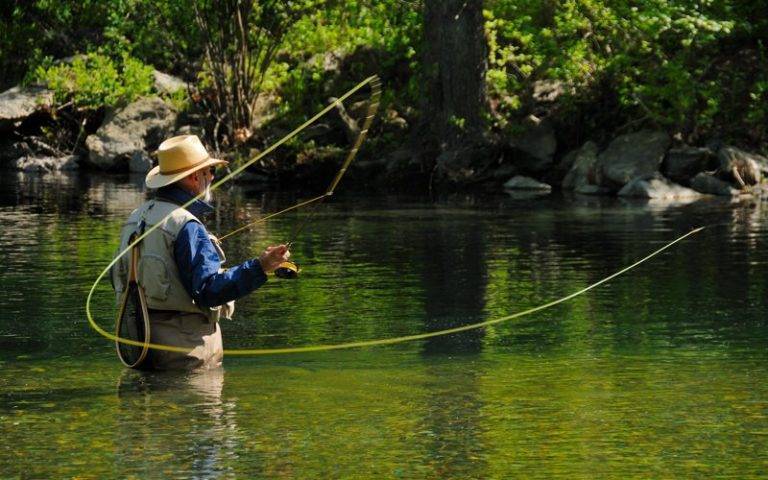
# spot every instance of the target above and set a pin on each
(454, 278)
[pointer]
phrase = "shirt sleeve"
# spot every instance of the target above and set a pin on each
(198, 264)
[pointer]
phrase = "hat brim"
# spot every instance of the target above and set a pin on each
(155, 179)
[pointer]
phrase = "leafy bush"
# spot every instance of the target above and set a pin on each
(94, 80)
(665, 63)
(389, 28)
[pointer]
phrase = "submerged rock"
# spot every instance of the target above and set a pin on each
(128, 131)
(520, 182)
(45, 164)
(630, 156)
(656, 186)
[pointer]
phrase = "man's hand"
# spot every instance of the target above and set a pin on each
(273, 256)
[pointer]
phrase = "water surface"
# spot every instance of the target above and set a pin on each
(662, 372)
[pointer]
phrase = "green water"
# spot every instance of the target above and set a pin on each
(661, 373)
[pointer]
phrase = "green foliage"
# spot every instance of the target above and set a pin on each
(179, 100)
(457, 122)
(697, 67)
(161, 33)
(667, 63)
(93, 80)
(367, 36)
(33, 30)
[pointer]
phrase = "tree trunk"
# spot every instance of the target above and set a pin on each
(455, 63)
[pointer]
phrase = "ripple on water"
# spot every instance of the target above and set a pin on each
(660, 372)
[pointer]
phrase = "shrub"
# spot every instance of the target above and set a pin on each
(96, 80)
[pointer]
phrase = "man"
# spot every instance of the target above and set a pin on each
(179, 263)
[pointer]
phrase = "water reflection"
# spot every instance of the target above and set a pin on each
(641, 369)
(454, 277)
(452, 422)
(179, 419)
(71, 193)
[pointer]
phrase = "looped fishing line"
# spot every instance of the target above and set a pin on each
(365, 343)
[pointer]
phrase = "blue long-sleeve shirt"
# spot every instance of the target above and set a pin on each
(198, 262)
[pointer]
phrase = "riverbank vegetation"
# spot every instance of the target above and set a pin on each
(513, 86)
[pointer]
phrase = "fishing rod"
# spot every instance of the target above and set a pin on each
(121, 341)
(145, 344)
(290, 269)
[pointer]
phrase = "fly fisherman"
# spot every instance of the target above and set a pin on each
(179, 266)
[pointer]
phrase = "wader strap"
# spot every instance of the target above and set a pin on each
(143, 219)
(134, 261)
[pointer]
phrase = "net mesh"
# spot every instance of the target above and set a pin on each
(131, 326)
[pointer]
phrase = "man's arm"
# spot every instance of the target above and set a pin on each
(198, 264)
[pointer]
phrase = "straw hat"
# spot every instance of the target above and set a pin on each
(178, 157)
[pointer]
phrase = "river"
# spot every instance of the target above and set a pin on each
(661, 372)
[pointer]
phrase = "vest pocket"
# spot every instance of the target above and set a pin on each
(154, 277)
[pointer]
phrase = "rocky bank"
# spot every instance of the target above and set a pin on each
(645, 164)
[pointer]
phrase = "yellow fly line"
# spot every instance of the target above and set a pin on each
(374, 82)
(373, 106)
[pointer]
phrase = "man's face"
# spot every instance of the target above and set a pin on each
(204, 181)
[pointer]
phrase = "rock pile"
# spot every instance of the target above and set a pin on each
(121, 143)
(642, 165)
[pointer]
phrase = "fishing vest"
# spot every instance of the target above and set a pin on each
(157, 272)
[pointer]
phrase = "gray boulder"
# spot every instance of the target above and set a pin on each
(538, 145)
(128, 131)
(469, 163)
(566, 163)
(139, 162)
(682, 164)
(656, 186)
(167, 84)
(589, 189)
(20, 102)
(741, 167)
(630, 156)
(520, 182)
(45, 164)
(582, 171)
(707, 183)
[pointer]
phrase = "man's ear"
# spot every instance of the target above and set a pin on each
(190, 181)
